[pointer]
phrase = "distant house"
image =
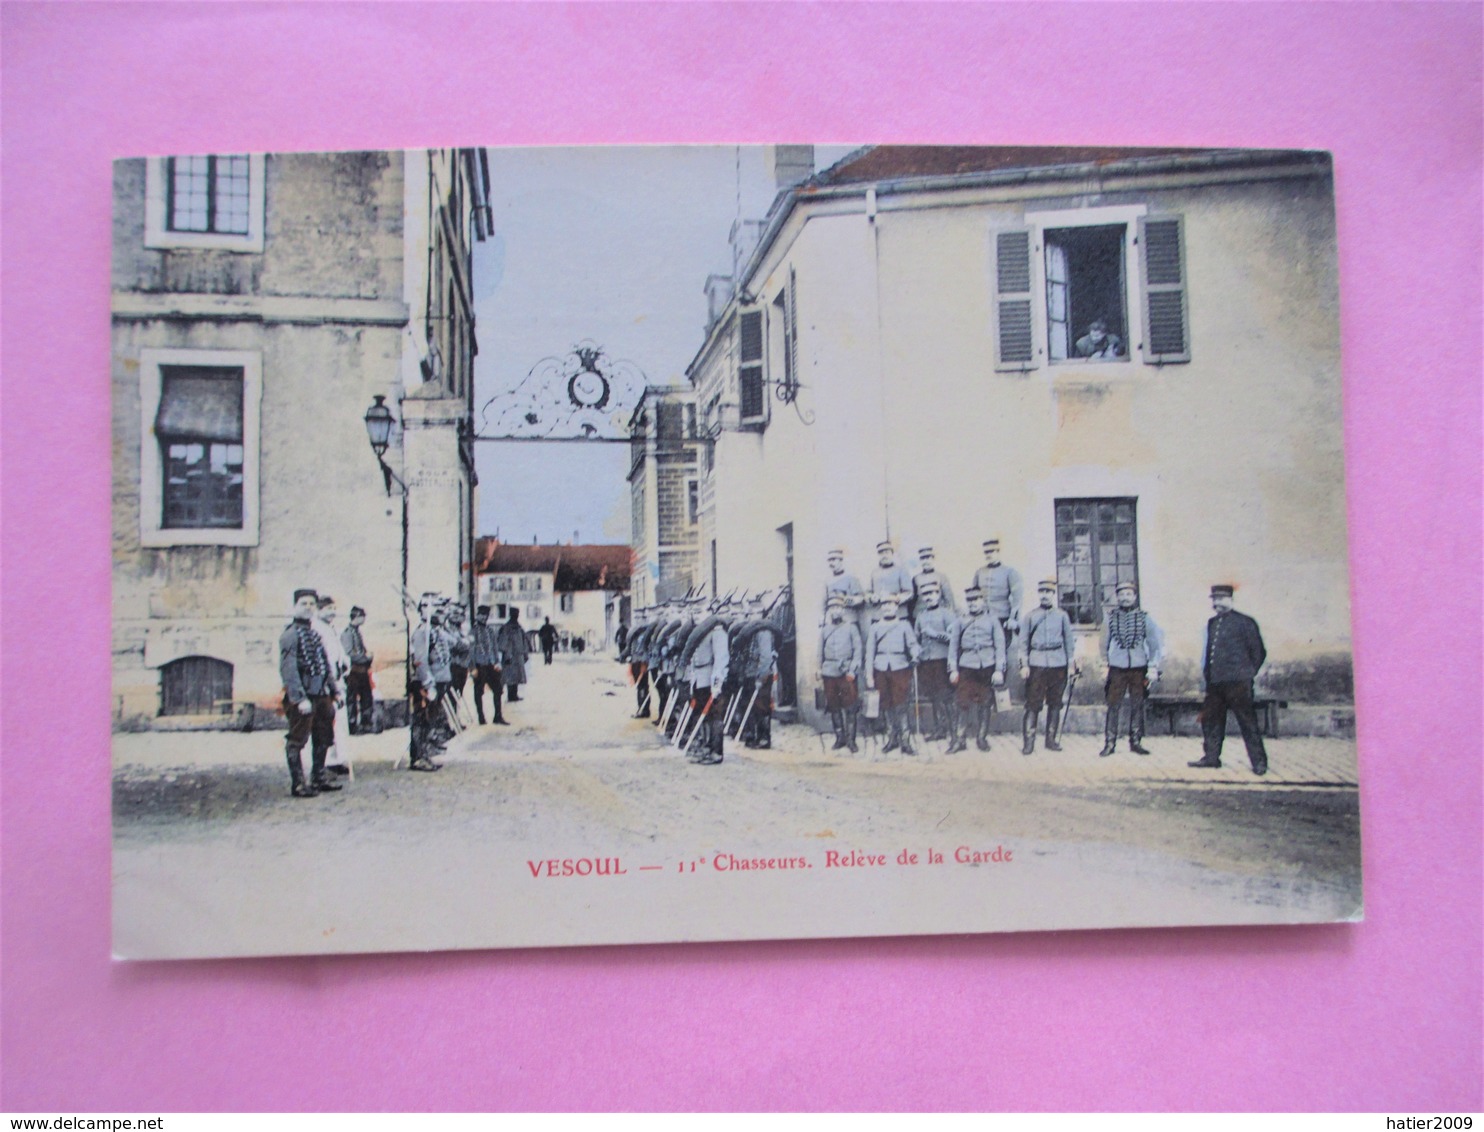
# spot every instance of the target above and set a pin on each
(583, 589)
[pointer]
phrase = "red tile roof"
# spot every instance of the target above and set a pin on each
(599, 567)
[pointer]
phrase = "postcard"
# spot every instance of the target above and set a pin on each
(603, 545)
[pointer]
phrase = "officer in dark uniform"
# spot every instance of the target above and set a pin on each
(1232, 653)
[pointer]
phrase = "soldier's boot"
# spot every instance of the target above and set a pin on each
(894, 738)
(765, 733)
(905, 728)
(714, 739)
(837, 720)
(852, 721)
(1110, 734)
(1136, 730)
(297, 786)
(321, 780)
(981, 740)
(1053, 726)
(1028, 732)
(957, 740)
(479, 707)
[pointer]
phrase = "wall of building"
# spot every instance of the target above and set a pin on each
(1235, 457)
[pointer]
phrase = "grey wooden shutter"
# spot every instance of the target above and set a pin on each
(1166, 306)
(1014, 338)
(751, 390)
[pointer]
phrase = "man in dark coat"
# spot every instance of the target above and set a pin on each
(513, 651)
(308, 697)
(548, 635)
(484, 651)
(360, 705)
(1232, 653)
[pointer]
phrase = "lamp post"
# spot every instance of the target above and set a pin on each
(378, 420)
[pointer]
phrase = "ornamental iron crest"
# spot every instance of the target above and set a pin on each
(585, 395)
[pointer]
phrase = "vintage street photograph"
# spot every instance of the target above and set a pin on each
(599, 545)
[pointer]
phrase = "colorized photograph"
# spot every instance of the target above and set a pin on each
(528, 547)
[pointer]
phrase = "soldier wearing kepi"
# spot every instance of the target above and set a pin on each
(928, 574)
(422, 688)
(1050, 654)
(889, 582)
(891, 655)
(1001, 587)
(841, 655)
(308, 697)
(359, 703)
(843, 585)
(759, 670)
(1232, 653)
(484, 654)
(934, 624)
(976, 667)
(1133, 647)
(707, 673)
(632, 650)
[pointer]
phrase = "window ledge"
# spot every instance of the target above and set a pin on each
(203, 537)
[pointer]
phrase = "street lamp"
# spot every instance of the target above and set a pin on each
(379, 431)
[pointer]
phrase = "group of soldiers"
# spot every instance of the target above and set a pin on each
(327, 681)
(445, 652)
(905, 638)
(704, 671)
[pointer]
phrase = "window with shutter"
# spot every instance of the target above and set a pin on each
(1166, 312)
(199, 427)
(1014, 339)
(751, 387)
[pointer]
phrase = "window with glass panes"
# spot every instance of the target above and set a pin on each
(199, 429)
(208, 194)
(1096, 548)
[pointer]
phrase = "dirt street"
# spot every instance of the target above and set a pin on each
(212, 855)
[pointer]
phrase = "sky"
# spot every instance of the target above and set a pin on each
(603, 243)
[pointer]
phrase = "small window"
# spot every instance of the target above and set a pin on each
(500, 585)
(693, 500)
(196, 685)
(1086, 320)
(207, 201)
(1096, 548)
(567, 603)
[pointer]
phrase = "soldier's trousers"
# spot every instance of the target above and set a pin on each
(1132, 682)
(640, 672)
(360, 707)
(1237, 698)
(487, 676)
(1045, 687)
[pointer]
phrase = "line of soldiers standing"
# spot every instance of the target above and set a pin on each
(918, 648)
(705, 671)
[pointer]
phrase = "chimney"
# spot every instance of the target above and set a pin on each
(791, 164)
(718, 294)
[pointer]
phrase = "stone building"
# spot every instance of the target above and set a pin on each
(665, 477)
(908, 351)
(260, 303)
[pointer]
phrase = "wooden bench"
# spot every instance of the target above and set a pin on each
(1172, 706)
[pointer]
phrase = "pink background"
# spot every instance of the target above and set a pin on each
(1384, 1015)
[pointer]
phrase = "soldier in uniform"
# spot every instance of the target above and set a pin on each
(514, 650)
(1050, 654)
(892, 652)
(976, 667)
(1133, 647)
(632, 651)
(759, 670)
(1001, 587)
(1232, 654)
(706, 676)
(928, 574)
(422, 689)
(359, 703)
(484, 653)
(440, 661)
(459, 648)
(841, 655)
(889, 580)
(308, 697)
(843, 585)
(934, 623)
